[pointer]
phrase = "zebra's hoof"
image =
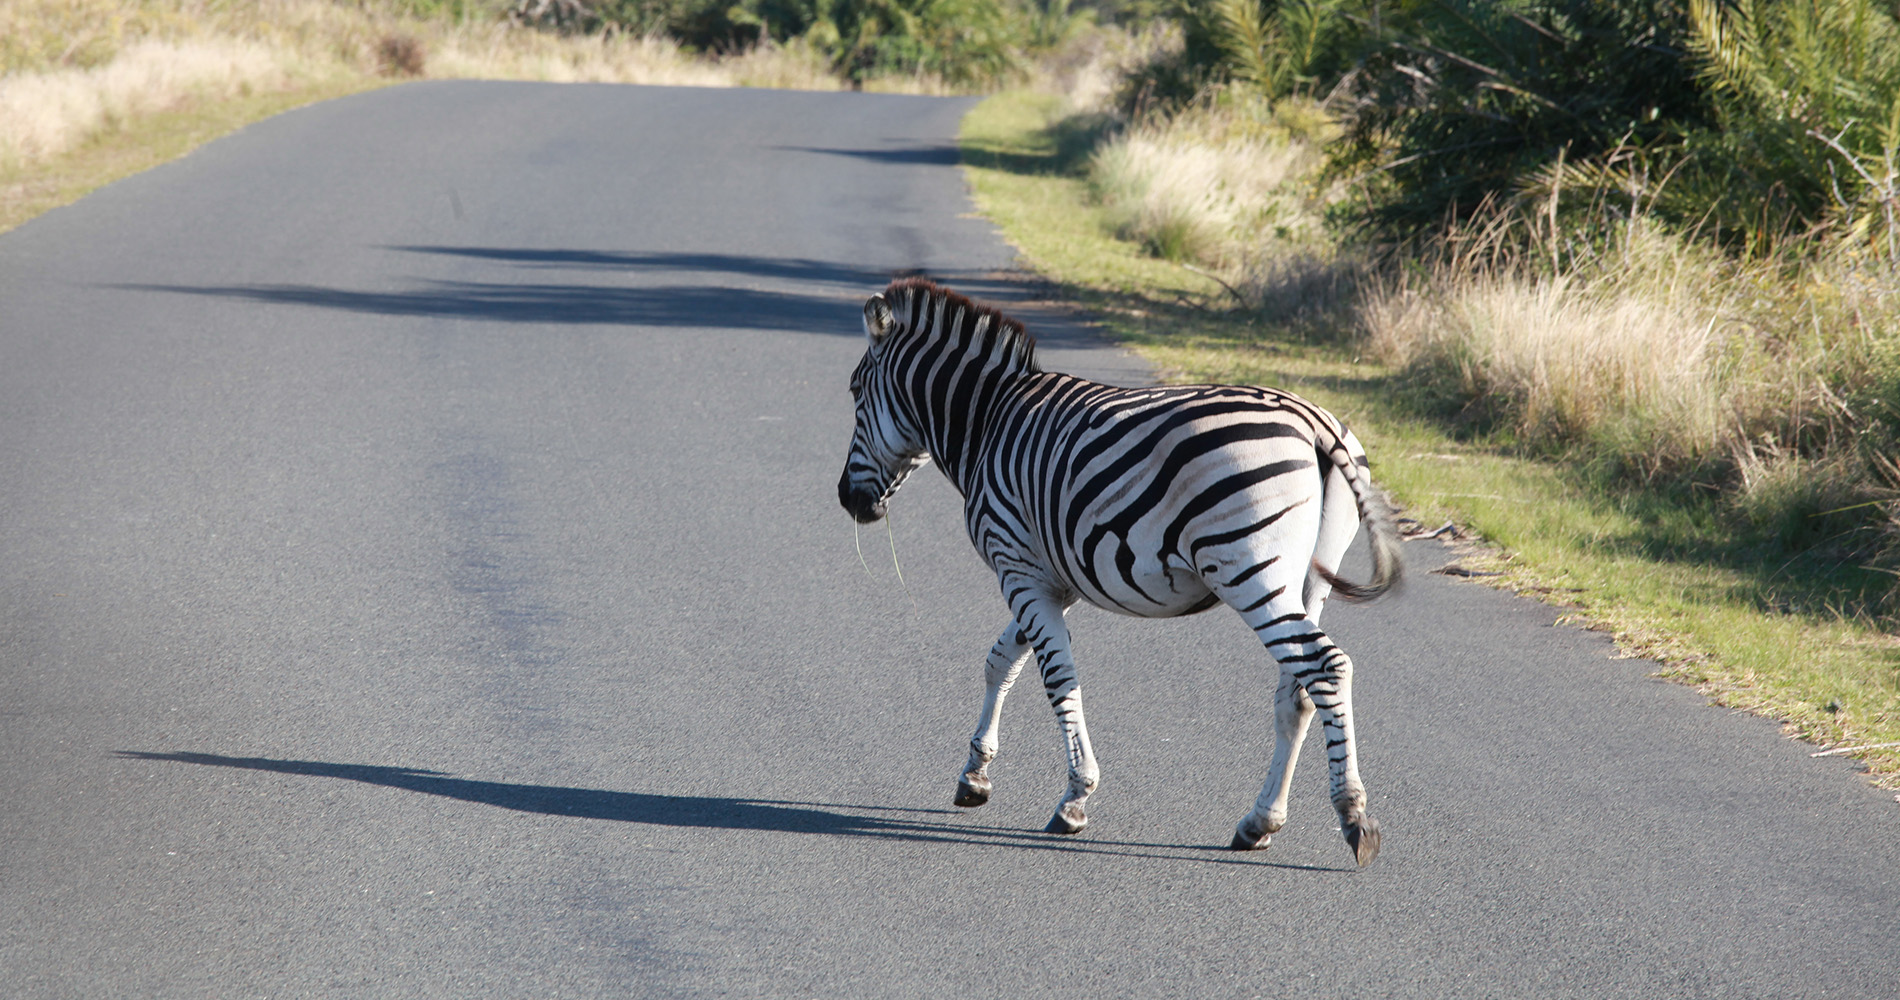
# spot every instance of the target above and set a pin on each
(972, 792)
(1241, 843)
(1067, 820)
(1248, 837)
(1363, 838)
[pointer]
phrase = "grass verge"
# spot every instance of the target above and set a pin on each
(1664, 579)
(94, 90)
(27, 191)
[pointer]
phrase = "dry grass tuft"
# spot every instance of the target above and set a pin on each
(1628, 347)
(401, 54)
(502, 51)
(1776, 382)
(75, 70)
(795, 65)
(1306, 286)
(47, 113)
(1090, 67)
(1211, 186)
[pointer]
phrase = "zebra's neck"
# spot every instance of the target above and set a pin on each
(961, 363)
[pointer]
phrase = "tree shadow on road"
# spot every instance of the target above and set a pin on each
(800, 271)
(705, 307)
(714, 812)
(937, 155)
(704, 291)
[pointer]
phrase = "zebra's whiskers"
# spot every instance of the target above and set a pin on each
(858, 541)
(891, 533)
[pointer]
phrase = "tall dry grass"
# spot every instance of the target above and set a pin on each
(1639, 345)
(1770, 383)
(1775, 382)
(1215, 185)
(1233, 185)
(78, 69)
(1090, 69)
(47, 113)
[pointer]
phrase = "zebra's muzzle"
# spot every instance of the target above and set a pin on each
(864, 505)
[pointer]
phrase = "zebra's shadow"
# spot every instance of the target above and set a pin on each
(713, 812)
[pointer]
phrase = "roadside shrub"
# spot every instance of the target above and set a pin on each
(1471, 99)
(1211, 185)
(1282, 47)
(1806, 122)
(1663, 361)
(400, 55)
(966, 42)
(1749, 122)
(1276, 47)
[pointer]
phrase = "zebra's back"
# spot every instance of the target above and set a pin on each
(1149, 501)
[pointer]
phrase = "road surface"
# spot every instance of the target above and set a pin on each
(421, 575)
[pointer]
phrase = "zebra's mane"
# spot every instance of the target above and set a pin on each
(1001, 329)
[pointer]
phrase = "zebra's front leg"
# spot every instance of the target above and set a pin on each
(999, 672)
(1047, 634)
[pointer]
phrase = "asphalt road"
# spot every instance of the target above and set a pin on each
(421, 575)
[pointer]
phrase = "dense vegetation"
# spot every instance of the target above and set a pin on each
(1753, 120)
(1655, 238)
(963, 42)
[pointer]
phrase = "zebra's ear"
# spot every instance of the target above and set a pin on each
(879, 321)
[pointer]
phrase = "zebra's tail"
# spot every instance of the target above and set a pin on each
(1380, 520)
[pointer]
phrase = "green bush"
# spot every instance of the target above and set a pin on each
(1471, 102)
(1279, 47)
(965, 42)
(1806, 123)
(1751, 122)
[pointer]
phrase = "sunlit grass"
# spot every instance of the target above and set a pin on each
(1210, 185)
(91, 90)
(45, 114)
(146, 143)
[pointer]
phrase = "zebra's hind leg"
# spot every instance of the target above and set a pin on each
(999, 672)
(1292, 711)
(1310, 659)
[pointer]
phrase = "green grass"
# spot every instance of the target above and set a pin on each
(1667, 578)
(1024, 173)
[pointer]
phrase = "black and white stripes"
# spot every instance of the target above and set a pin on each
(1153, 502)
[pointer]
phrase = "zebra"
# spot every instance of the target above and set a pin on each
(1154, 502)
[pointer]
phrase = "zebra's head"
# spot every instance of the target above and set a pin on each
(887, 445)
